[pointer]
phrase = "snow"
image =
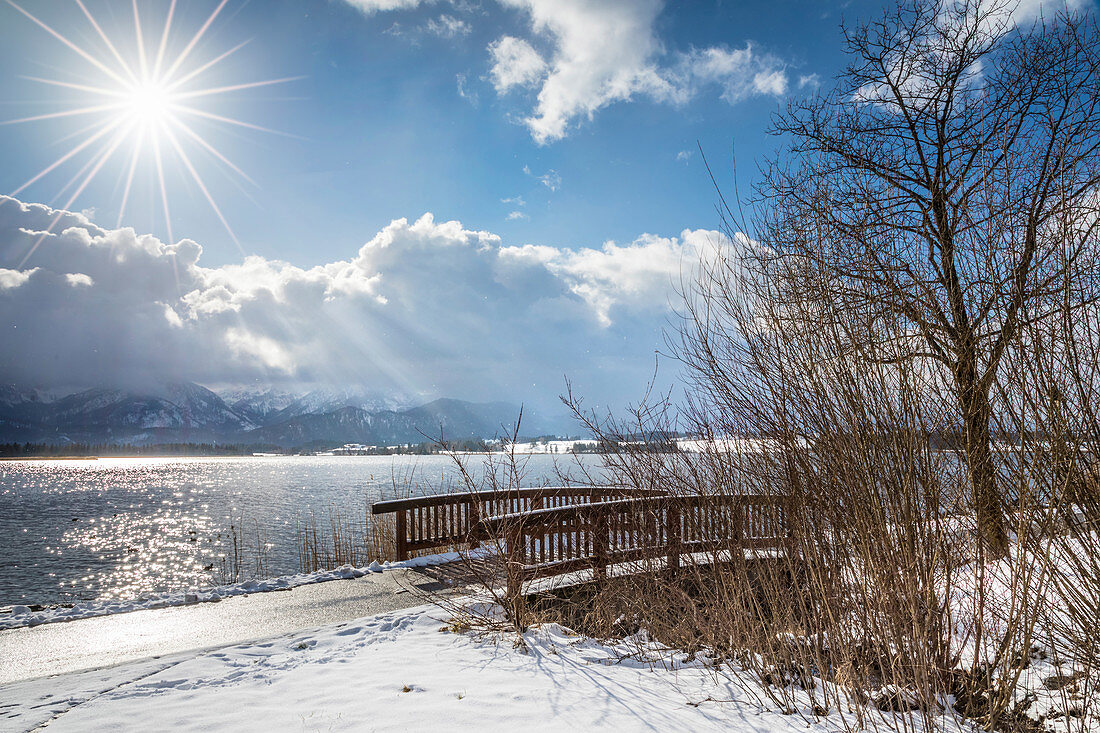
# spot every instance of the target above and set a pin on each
(411, 670)
(549, 446)
(688, 445)
(425, 667)
(19, 616)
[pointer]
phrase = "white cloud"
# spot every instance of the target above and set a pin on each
(267, 351)
(603, 53)
(172, 317)
(515, 64)
(1026, 12)
(424, 307)
(739, 72)
(684, 156)
(941, 33)
(772, 81)
(11, 279)
(516, 216)
(464, 91)
(809, 80)
(382, 6)
(447, 26)
(517, 200)
(583, 55)
(631, 275)
(551, 178)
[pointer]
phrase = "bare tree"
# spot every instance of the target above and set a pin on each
(927, 190)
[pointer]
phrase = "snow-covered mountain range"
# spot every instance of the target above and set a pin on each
(187, 412)
(264, 405)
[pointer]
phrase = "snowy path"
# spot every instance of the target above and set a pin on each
(50, 649)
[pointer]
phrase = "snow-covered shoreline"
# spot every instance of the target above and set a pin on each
(23, 616)
(408, 669)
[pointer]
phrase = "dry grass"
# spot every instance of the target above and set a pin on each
(342, 536)
(243, 552)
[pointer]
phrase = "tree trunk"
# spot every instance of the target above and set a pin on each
(974, 401)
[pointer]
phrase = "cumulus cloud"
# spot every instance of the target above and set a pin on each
(583, 55)
(516, 216)
(602, 53)
(616, 276)
(11, 279)
(515, 63)
(424, 308)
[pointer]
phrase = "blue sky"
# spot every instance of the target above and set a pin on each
(386, 132)
(463, 198)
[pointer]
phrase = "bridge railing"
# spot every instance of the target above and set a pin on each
(445, 520)
(596, 535)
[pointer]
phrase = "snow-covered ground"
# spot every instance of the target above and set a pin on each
(419, 668)
(409, 670)
(562, 447)
(19, 616)
(689, 445)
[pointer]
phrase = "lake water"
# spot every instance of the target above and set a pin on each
(122, 527)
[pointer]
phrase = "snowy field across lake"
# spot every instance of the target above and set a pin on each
(122, 528)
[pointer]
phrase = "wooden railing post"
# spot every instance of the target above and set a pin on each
(601, 529)
(514, 547)
(672, 517)
(402, 536)
(739, 510)
(474, 531)
(787, 512)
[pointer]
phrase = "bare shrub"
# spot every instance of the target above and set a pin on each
(903, 353)
(1061, 368)
(901, 349)
(869, 356)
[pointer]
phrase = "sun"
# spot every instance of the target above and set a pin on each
(149, 104)
(140, 112)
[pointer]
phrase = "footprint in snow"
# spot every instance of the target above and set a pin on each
(349, 631)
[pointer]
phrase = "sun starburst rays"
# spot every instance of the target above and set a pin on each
(142, 108)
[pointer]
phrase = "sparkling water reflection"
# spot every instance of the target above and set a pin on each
(119, 527)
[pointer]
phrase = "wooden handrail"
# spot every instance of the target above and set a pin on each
(595, 535)
(438, 520)
(646, 501)
(394, 505)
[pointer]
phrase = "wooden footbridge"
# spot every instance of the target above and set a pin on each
(552, 531)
